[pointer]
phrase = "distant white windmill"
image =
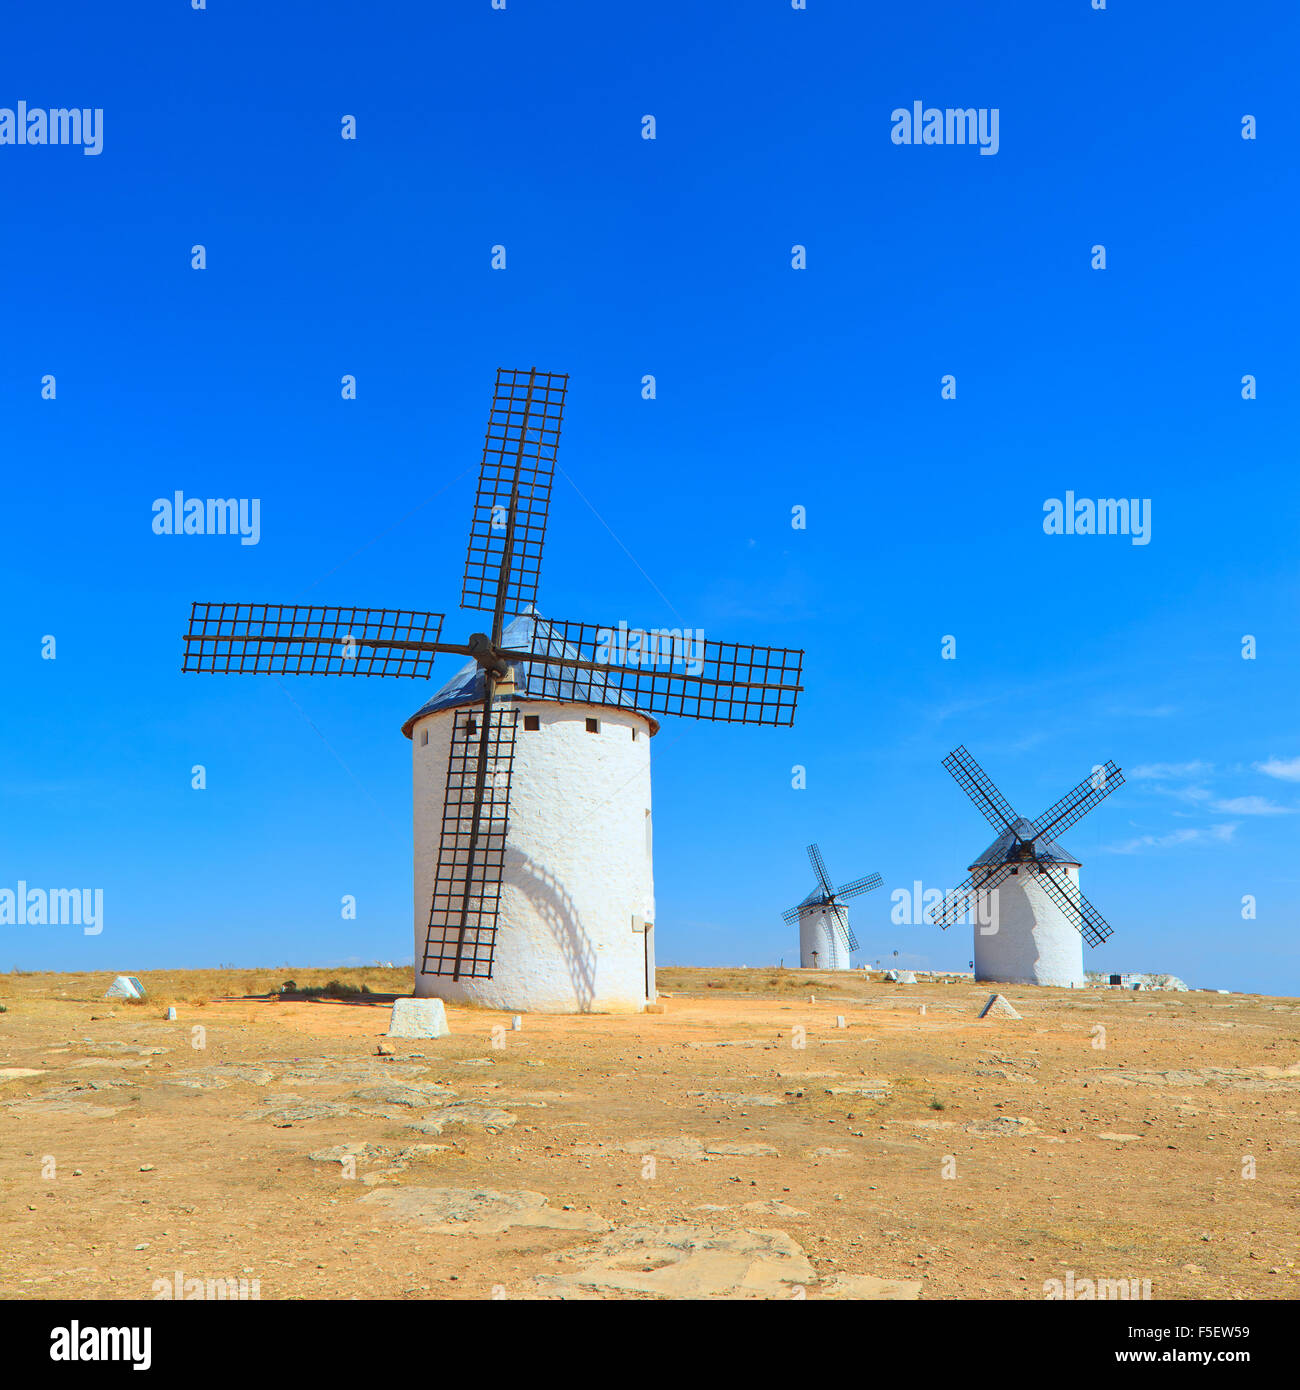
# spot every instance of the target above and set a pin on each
(825, 937)
(1030, 916)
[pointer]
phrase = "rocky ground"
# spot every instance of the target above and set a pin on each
(740, 1144)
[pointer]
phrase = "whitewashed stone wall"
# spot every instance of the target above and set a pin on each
(819, 933)
(1035, 944)
(578, 862)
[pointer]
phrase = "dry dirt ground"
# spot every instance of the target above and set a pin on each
(701, 1152)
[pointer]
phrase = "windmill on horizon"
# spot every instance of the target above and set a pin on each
(534, 885)
(825, 937)
(1030, 916)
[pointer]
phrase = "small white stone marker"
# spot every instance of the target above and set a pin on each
(418, 1018)
(839, 1020)
(812, 998)
(516, 1023)
(171, 1015)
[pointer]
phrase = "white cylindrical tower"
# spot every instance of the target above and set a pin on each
(575, 932)
(1023, 937)
(823, 937)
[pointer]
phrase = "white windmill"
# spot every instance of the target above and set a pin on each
(825, 937)
(1029, 915)
(534, 887)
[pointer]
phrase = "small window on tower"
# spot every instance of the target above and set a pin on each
(634, 735)
(532, 722)
(424, 738)
(593, 726)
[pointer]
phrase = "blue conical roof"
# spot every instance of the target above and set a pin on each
(1043, 847)
(530, 632)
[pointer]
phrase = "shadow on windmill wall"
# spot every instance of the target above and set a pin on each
(560, 914)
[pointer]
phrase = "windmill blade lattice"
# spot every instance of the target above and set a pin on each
(1077, 909)
(858, 887)
(463, 918)
(735, 683)
(1076, 804)
(513, 501)
(978, 785)
(291, 639)
(819, 868)
(962, 899)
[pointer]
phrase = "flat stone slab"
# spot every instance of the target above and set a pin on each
(478, 1211)
(64, 1106)
(1004, 1124)
(79, 1098)
(681, 1146)
(682, 1261)
(1261, 1078)
(285, 1111)
(868, 1288)
(18, 1073)
(418, 1018)
(470, 1113)
(217, 1078)
(411, 1094)
(732, 1098)
(399, 1155)
(772, 1206)
(333, 1071)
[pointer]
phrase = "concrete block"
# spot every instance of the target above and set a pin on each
(418, 1018)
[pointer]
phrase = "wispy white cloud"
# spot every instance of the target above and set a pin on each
(1206, 835)
(1166, 772)
(1286, 769)
(1192, 794)
(1252, 806)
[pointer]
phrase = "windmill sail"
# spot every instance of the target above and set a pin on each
(292, 639)
(464, 915)
(513, 501)
(978, 785)
(733, 682)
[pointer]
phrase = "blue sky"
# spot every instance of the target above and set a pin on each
(776, 388)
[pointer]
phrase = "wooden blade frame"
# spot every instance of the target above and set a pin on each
(514, 492)
(1082, 915)
(293, 639)
(859, 886)
(736, 684)
(1076, 804)
(966, 895)
(464, 915)
(819, 868)
(978, 785)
